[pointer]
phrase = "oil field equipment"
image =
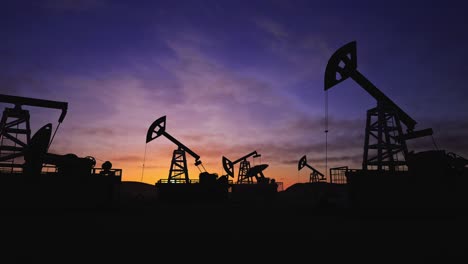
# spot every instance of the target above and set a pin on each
(73, 181)
(178, 186)
(178, 172)
(315, 175)
(385, 145)
(15, 129)
(244, 167)
(257, 173)
(69, 165)
(392, 176)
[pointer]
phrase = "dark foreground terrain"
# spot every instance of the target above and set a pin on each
(275, 230)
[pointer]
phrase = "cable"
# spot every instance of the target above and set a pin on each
(203, 167)
(143, 167)
(99, 159)
(204, 170)
(53, 136)
(433, 141)
(326, 133)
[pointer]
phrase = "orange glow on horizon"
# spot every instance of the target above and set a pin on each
(285, 174)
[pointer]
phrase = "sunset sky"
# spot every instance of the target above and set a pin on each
(232, 77)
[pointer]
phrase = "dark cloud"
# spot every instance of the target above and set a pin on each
(20, 84)
(192, 137)
(8, 87)
(156, 166)
(128, 158)
(95, 131)
(197, 138)
(280, 153)
(449, 135)
(353, 159)
(284, 153)
(454, 143)
(315, 123)
(289, 162)
(293, 139)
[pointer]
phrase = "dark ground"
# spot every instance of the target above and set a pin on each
(244, 232)
(141, 230)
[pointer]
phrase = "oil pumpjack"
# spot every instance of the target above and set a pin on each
(73, 181)
(315, 175)
(391, 175)
(246, 188)
(178, 173)
(15, 128)
(178, 186)
(321, 192)
(244, 167)
(385, 140)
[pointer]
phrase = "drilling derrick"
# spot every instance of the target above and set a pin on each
(315, 175)
(244, 167)
(385, 147)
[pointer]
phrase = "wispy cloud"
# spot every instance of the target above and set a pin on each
(213, 107)
(19, 84)
(271, 27)
(302, 53)
(73, 5)
(449, 135)
(128, 158)
(213, 113)
(95, 131)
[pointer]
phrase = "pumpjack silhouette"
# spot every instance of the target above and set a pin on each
(315, 175)
(178, 186)
(251, 182)
(392, 176)
(37, 178)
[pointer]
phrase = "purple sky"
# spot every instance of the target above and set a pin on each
(232, 77)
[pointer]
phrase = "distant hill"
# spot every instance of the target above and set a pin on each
(133, 193)
(315, 194)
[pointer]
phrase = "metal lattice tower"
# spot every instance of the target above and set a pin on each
(381, 145)
(384, 140)
(315, 175)
(243, 169)
(178, 168)
(15, 130)
(15, 134)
